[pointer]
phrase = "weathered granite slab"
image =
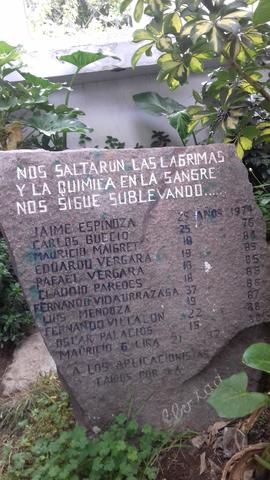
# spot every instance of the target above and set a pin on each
(146, 271)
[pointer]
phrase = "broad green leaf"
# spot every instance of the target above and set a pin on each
(81, 59)
(172, 81)
(258, 356)
(5, 48)
(176, 22)
(138, 54)
(265, 138)
(246, 143)
(49, 123)
(200, 28)
(216, 40)
(193, 124)
(166, 57)
(262, 12)
(141, 34)
(250, 132)
(239, 14)
(255, 37)
(138, 12)
(228, 24)
(124, 5)
(247, 87)
(156, 104)
(164, 44)
(187, 28)
(155, 27)
(196, 65)
(231, 122)
(180, 121)
(266, 131)
(7, 103)
(194, 109)
(263, 125)
(43, 83)
(240, 151)
(8, 53)
(232, 400)
(234, 48)
(169, 66)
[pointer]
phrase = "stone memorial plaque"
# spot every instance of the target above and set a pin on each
(146, 271)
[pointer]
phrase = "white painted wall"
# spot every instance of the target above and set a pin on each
(110, 109)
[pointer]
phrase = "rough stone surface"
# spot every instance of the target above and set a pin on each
(30, 360)
(146, 271)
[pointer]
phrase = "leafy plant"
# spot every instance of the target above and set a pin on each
(27, 117)
(234, 104)
(231, 398)
(173, 111)
(160, 139)
(45, 447)
(43, 411)
(15, 319)
(262, 12)
(113, 143)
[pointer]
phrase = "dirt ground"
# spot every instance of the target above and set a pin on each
(207, 461)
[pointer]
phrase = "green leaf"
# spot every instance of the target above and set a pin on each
(228, 24)
(42, 83)
(246, 143)
(262, 12)
(239, 14)
(156, 104)
(197, 96)
(180, 121)
(141, 34)
(176, 22)
(137, 55)
(120, 446)
(7, 103)
(169, 66)
(5, 48)
(138, 12)
(196, 65)
(49, 123)
(81, 59)
(250, 132)
(231, 399)
(132, 454)
(200, 28)
(164, 44)
(216, 40)
(258, 356)
(124, 5)
(8, 53)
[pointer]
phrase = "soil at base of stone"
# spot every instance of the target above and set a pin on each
(184, 464)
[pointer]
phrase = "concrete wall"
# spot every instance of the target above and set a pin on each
(110, 109)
